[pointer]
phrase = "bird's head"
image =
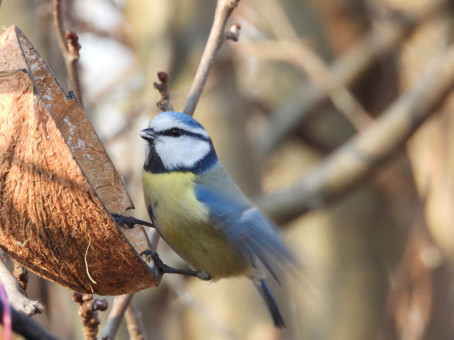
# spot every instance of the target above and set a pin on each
(177, 142)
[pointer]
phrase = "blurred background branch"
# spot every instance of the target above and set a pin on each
(346, 70)
(348, 165)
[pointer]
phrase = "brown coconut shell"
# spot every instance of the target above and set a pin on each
(57, 184)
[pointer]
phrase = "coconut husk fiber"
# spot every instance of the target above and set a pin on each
(57, 184)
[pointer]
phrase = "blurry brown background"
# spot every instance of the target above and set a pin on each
(378, 260)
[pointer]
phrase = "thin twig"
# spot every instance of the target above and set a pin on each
(69, 47)
(16, 296)
(58, 24)
(21, 275)
(88, 312)
(134, 323)
(117, 311)
(164, 103)
(224, 9)
(347, 69)
(359, 156)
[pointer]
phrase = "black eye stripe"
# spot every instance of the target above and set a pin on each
(177, 132)
(174, 132)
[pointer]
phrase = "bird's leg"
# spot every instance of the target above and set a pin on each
(165, 269)
(130, 221)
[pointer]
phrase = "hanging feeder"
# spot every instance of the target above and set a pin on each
(58, 186)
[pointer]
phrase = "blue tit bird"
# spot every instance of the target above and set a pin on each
(201, 213)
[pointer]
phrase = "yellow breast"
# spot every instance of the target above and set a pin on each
(186, 225)
(165, 193)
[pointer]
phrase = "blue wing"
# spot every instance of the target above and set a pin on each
(246, 228)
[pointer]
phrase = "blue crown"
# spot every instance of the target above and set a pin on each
(184, 118)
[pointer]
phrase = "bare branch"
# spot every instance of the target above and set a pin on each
(164, 103)
(224, 9)
(134, 323)
(88, 312)
(301, 104)
(289, 47)
(119, 306)
(297, 52)
(16, 296)
(322, 77)
(69, 47)
(358, 157)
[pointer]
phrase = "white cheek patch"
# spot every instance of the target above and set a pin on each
(184, 151)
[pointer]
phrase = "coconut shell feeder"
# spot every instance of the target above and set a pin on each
(58, 186)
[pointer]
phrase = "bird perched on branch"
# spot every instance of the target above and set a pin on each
(201, 213)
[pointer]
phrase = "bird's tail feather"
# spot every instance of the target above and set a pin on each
(271, 303)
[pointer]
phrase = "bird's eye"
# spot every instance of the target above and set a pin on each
(175, 132)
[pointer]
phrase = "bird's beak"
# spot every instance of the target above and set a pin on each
(148, 134)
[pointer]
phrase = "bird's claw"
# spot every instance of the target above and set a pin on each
(129, 221)
(161, 268)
